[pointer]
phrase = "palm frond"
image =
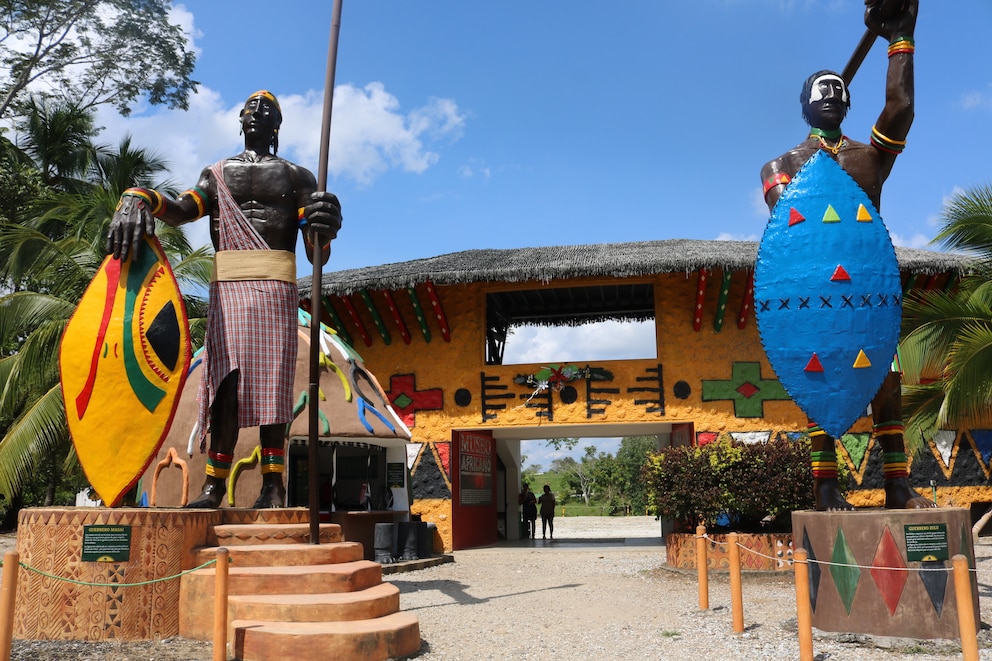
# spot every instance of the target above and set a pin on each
(38, 431)
(23, 311)
(966, 223)
(34, 368)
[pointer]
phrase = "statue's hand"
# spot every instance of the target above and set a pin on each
(323, 214)
(891, 18)
(132, 221)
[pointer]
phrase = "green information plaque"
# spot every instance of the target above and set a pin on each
(106, 544)
(926, 542)
(396, 474)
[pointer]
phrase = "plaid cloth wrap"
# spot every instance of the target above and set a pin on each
(251, 328)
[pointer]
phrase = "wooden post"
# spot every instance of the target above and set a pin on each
(736, 598)
(804, 617)
(220, 606)
(966, 611)
(703, 577)
(8, 591)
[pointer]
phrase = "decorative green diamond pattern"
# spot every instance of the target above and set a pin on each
(844, 570)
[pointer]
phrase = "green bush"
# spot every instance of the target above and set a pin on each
(746, 487)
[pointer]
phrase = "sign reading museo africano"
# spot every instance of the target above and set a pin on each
(475, 469)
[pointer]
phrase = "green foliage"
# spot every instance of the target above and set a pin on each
(48, 255)
(947, 335)
(755, 485)
(93, 52)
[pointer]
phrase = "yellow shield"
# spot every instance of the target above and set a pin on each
(123, 360)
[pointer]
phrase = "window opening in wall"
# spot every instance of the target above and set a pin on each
(570, 324)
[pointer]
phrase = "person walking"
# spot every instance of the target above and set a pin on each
(547, 502)
(529, 504)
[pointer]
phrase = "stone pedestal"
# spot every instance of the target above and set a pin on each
(89, 601)
(885, 572)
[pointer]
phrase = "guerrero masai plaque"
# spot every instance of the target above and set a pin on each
(106, 543)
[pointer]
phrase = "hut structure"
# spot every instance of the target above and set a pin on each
(435, 330)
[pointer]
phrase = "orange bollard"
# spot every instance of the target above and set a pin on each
(804, 617)
(701, 569)
(736, 596)
(220, 606)
(966, 610)
(8, 591)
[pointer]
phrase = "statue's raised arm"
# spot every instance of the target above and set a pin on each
(897, 25)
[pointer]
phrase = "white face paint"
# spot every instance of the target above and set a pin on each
(816, 94)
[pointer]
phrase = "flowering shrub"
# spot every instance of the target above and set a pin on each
(745, 487)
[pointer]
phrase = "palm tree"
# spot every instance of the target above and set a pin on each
(52, 256)
(947, 335)
(57, 137)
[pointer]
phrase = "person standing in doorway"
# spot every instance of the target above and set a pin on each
(529, 504)
(547, 501)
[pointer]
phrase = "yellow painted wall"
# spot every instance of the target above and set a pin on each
(685, 355)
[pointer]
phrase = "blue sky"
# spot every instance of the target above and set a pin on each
(461, 125)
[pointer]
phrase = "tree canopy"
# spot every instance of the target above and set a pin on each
(92, 52)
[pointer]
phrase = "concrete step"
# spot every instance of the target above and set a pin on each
(244, 534)
(281, 555)
(196, 590)
(372, 602)
(242, 515)
(395, 635)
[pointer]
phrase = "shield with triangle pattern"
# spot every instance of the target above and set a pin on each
(828, 296)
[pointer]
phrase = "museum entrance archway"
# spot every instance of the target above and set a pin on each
(510, 444)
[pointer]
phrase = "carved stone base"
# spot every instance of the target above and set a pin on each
(162, 544)
(885, 572)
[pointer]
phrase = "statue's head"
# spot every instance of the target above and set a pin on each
(261, 114)
(825, 100)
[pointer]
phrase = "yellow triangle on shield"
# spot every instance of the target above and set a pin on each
(861, 360)
(864, 216)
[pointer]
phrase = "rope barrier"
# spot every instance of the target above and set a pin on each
(117, 585)
(834, 564)
(960, 569)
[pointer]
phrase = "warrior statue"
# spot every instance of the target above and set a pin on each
(825, 100)
(258, 204)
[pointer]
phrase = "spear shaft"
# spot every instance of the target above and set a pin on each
(313, 449)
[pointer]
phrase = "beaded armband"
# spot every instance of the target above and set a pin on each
(886, 143)
(902, 45)
(199, 197)
(154, 199)
(776, 179)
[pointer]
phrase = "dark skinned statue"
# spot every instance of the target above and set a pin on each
(258, 203)
(825, 101)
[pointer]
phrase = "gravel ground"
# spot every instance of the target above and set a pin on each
(600, 589)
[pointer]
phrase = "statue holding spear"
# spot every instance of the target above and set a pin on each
(258, 204)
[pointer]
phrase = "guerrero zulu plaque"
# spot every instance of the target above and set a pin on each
(926, 542)
(106, 543)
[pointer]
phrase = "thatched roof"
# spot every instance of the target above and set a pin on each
(617, 260)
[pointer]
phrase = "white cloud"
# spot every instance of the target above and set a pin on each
(609, 340)
(727, 236)
(475, 167)
(369, 133)
(977, 99)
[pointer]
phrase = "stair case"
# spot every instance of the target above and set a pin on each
(289, 599)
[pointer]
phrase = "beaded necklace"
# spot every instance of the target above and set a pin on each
(823, 136)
